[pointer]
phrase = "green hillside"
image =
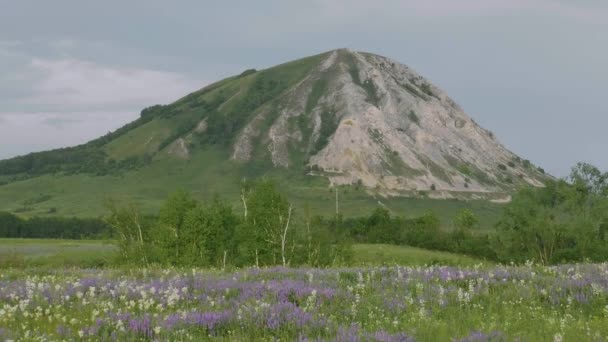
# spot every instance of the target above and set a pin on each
(205, 175)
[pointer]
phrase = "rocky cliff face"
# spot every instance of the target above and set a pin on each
(362, 118)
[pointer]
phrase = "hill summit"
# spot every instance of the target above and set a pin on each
(350, 117)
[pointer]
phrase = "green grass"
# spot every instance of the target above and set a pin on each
(52, 253)
(209, 173)
(379, 254)
(19, 253)
(144, 139)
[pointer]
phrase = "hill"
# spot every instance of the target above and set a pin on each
(341, 118)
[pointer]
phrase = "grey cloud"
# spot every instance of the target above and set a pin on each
(80, 84)
(59, 122)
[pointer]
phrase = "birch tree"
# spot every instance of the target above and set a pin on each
(266, 234)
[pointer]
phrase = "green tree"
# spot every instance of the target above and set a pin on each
(315, 245)
(222, 222)
(464, 222)
(265, 237)
(196, 236)
(380, 228)
(423, 232)
(558, 223)
(590, 178)
(126, 221)
(168, 238)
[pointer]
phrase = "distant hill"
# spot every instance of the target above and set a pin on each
(339, 118)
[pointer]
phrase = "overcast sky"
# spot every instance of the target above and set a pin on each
(535, 72)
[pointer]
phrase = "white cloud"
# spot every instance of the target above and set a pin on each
(72, 83)
(57, 102)
(26, 132)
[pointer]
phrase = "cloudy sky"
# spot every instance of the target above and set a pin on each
(533, 71)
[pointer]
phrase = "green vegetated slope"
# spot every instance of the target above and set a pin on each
(206, 175)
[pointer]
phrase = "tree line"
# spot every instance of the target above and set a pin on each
(564, 221)
(13, 226)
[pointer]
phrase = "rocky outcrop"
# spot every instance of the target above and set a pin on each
(373, 121)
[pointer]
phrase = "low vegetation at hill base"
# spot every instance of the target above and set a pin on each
(565, 221)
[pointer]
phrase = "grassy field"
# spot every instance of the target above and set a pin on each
(394, 304)
(377, 254)
(55, 253)
(57, 290)
(89, 253)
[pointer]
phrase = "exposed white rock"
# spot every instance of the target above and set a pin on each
(179, 149)
(202, 126)
(394, 130)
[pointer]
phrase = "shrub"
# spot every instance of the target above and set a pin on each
(413, 117)
(247, 73)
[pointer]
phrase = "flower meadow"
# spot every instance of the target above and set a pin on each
(432, 303)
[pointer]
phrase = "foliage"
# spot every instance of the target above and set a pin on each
(318, 89)
(191, 233)
(247, 73)
(261, 91)
(414, 91)
(465, 222)
(85, 158)
(129, 229)
(413, 117)
(372, 93)
(268, 213)
(426, 88)
(558, 223)
(329, 123)
(170, 233)
(13, 226)
(589, 179)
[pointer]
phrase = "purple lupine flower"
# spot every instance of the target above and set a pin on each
(141, 326)
(478, 336)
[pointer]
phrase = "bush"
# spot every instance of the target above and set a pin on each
(413, 117)
(12, 226)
